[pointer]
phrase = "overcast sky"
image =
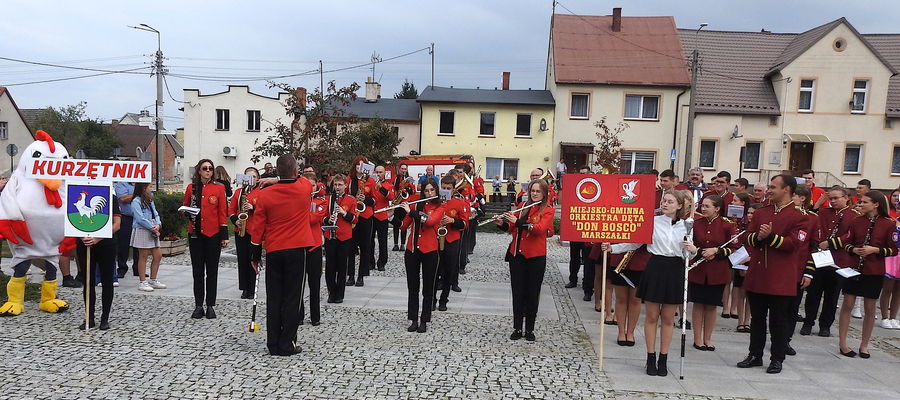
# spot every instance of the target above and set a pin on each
(475, 40)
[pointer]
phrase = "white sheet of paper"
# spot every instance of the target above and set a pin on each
(735, 211)
(847, 272)
(189, 210)
(367, 168)
(738, 256)
(740, 267)
(823, 259)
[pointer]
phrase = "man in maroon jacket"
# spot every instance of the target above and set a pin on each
(281, 220)
(776, 233)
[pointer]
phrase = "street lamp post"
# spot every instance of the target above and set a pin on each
(159, 71)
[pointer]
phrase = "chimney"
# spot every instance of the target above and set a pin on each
(114, 124)
(145, 113)
(617, 19)
(373, 90)
(505, 82)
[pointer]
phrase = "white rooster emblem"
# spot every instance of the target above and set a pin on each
(89, 209)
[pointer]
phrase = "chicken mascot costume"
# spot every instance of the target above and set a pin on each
(31, 219)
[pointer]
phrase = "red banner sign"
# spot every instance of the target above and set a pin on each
(607, 208)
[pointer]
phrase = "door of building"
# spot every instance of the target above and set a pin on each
(801, 157)
(576, 156)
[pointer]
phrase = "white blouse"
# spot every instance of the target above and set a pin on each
(667, 238)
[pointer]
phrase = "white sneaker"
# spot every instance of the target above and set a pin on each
(886, 324)
(157, 284)
(857, 312)
(145, 286)
(116, 284)
(895, 324)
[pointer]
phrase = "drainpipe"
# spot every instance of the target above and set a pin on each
(675, 128)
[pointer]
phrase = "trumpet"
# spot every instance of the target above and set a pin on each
(547, 176)
(398, 205)
(496, 217)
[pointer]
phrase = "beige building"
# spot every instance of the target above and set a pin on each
(826, 99)
(13, 130)
(627, 69)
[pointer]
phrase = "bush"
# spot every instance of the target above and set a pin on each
(174, 224)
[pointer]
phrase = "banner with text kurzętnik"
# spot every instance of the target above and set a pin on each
(607, 208)
(85, 170)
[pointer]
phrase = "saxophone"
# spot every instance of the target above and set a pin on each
(243, 216)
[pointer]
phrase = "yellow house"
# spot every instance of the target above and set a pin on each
(508, 132)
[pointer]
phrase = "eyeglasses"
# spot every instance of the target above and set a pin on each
(206, 168)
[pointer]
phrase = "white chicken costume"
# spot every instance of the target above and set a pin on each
(31, 219)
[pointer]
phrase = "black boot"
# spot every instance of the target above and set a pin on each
(104, 322)
(423, 327)
(359, 281)
(661, 368)
(651, 364)
(198, 312)
(413, 326)
(442, 306)
(210, 313)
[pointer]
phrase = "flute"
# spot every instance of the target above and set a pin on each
(407, 202)
(494, 218)
(701, 260)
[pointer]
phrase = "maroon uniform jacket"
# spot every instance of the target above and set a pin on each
(883, 236)
(714, 233)
(726, 198)
(281, 217)
(774, 259)
(812, 226)
(533, 243)
(836, 223)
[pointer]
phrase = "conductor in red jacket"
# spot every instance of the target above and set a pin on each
(527, 256)
(775, 237)
(281, 221)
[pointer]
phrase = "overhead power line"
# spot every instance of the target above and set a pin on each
(124, 71)
(76, 77)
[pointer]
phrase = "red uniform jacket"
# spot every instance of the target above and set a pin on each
(531, 243)
(883, 236)
(835, 223)
(344, 223)
(709, 234)
(234, 208)
(383, 194)
(317, 214)
(369, 188)
(774, 259)
(726, 198)
(456, 208)
(424, 234)
(479, 185)
(213, 205)
(281, 219)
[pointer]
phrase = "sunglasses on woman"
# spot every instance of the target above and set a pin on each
(206, 168)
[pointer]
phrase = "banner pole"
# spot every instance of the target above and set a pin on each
(87, 289)
(603, 306)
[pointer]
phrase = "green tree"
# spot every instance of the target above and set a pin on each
(70, 126)
(407, 91)
(375, 139)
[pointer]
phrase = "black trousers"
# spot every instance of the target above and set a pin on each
(575, 260)
(336, 266)
(590, 268)
(284, 270)
(827, 285)
(794, 311)
(525, 278)
(205, 252)
(362, 237)
(449, 267)
(314, 282)
(470, 235)
(123, 245)
(380, 230)
(103, 262)
(396, 221)
(246, 274)
(424, 265)
(777, 309)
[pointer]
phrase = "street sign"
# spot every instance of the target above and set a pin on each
(12, 149)
(672, 155)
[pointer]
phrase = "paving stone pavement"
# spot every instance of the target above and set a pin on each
(361, 350)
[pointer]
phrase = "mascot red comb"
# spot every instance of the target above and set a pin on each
(31, 219)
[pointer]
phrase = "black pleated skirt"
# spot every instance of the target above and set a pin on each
(868, 286)
(705, 294)
(663, 281)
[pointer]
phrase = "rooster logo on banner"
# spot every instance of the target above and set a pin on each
(87, 209)
(31, 219)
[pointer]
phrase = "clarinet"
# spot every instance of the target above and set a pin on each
(837, 224)
(862, 259)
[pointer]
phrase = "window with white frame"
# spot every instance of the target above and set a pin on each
(222, 119)
(505, 167)
(635, 162)
(641, 107)
(4, 130)
(253, 119)
(752, 151)
(446, 123)
(895, 161)
(807, 92)
(523, 124)
(486, 127)
(708, 154)
(852, 158)
(860, 93)
(580, 103)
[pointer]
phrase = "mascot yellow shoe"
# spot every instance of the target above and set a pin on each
(49, 302)
(15, 289)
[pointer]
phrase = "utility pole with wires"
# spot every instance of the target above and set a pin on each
(159, 70)
(431, 51)
(321, 80)
(689, 139)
